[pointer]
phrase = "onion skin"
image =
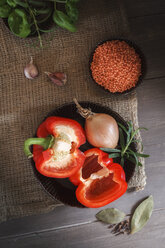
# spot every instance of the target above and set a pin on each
(102, 130)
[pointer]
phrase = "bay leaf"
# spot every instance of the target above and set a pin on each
(142, 214)
(110, 215)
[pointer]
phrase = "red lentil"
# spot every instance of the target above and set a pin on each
(116, 66)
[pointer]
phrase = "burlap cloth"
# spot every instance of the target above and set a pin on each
(24, 103)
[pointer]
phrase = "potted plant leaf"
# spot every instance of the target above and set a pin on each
(27, 18)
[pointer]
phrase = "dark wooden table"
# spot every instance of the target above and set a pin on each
(72, 227)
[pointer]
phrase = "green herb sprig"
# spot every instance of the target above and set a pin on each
(29, 17)
(124, 150)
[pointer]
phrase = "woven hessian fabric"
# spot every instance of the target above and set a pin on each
(24, 103)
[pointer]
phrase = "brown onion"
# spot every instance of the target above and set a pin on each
(101, 129)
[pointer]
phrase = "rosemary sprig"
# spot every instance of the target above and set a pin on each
(124, 150)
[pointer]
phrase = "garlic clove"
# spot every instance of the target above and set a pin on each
(62, 76)
(31, 70)
(58, 78)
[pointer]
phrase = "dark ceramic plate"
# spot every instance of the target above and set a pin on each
(62, 189)
(143, 65)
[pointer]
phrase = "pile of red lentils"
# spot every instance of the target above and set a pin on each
(116, 66)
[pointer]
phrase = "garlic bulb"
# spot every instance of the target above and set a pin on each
(31, 70)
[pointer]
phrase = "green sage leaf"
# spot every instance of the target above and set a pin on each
(141, 215)
(110, 215)
(110, 150)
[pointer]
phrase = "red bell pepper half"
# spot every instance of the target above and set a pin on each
(55, 151)
(99, 180)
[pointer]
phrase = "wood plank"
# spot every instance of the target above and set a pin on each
(144, 7)
(151, 102)
(149, 111)
(68, 216)
(148, 33)
(96, 235)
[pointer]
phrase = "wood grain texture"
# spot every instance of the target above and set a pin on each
(144, 7)
(96, 235)
(73, 227)
(68, 216)
(148, 33)
(153, 139)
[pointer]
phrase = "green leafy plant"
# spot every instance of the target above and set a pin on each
(30, 17)
(18, 23)
(62, 20)
(2, 2)
(5, 11)
(124, 150)
(71, 11)
(12, 3)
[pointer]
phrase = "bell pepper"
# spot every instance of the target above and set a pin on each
(55, 150)
(99, 180)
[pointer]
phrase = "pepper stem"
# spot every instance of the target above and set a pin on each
(44, 142)
(84, 112)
